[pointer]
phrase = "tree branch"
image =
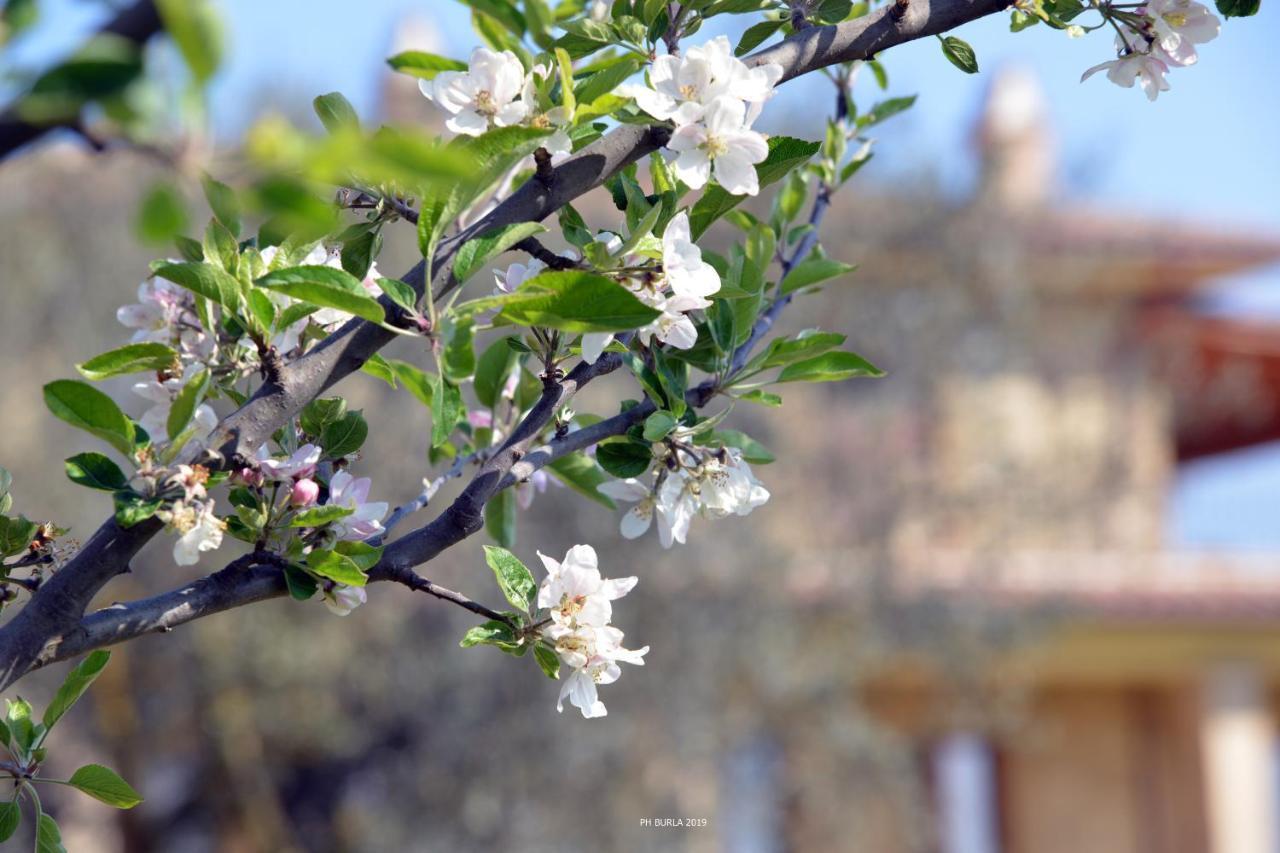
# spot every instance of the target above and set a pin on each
(57, 608)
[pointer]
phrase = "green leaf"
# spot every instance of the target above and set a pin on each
(606, 81)
(1238, 8)
(575, 301)
(130, 358)
(447, 410)
(514, 578)
(458, 361)
(223, 202)
(326, 287)
(87, 408)
(99, 70)
(624, 458)
(104, 785)
(813, 270)
(884, 110)
(580, 472)
(359, 253)
(658, 425)
(831, 367)
(130, 508)
(417, 382)
(319, 516)
(335, 112)
(184, 405)
(785, 153)
(960, 54)
(16, 534)
(378, 366)
(206, 280)
(10, 819)
(783, 352)
(424, 65)
(500, 518)
(74, 686)
(491, 633)
(319, 413)
(752, 450)
(399, 292)
(336, 567)
(364, 555)
(194, 27)
(492, 370)
(302, 585)
(756, 35)
(764, 398)
(161, 214)
(48, 838)
(479, 251)
(95, 471)
(345, 435)
(547, 660)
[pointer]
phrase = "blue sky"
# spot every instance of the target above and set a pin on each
(1210, 148)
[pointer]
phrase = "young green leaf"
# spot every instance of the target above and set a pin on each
(547, 660)
(658, 425)
(74, 686)
(500, 518)
(205, 280)
(319, 516)
(336, 567)
(16, 534)
(959, 53)
(479, 251)
(10, 819)
(104, 785)
(492, 370)
(345, 435)
(335, 112)
(130, 358)
(87, 408)
(514, 578)
(830, 367)
(223, 202)
(814, 270)
(424, 65)
(580, 472)
(624, 458)
(161, 214)
(491, 633)
(576, 301)
(326, 287)
(130, 508)
(184, 405)
(95, 471)
(48, 838)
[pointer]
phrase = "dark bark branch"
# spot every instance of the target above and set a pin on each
(57, 608)
(138, 23)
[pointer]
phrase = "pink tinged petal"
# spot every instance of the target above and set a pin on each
(681, 334)
(551, 564)
(1101, 66)
(593, 344)
(524, 494)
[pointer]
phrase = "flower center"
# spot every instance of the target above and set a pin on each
(484, 103)
(715, 146)
(689, 92)
(1175, 19)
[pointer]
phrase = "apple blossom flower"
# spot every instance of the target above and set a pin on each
(574, 591)
(1178, 26)
(592, 653)
(558, 144)
(682, 87)
(305, 492)
(485, 95)
(690, 279)
(165, 313)
(191, 479)
(728, 487)
(155, 419)
(1144, 68)
(720, 145)
(198, 529)
(301, 463)
(366, 519)
(342, 599)
(506, 281)
(286, 340)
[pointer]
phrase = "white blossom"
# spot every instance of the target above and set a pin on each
(682, 87)
(197, 527)
(636, 520)
(366, 519)
(721, 145)
(1178, 26)
(486, 95)
(342, 599)
(165, 313)
(1144, 68)
(301, 463)
(574, 591)
(593, 654)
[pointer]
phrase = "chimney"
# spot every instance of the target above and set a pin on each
(1016, 144)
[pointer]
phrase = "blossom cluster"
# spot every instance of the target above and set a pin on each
(713, 99)
(580, 604)
(691, 482)
(1156, 36)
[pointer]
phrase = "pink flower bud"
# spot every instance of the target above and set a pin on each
(251, 477)
(305, 493)
(479, 418)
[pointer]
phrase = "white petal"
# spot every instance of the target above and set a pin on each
(593, 344)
